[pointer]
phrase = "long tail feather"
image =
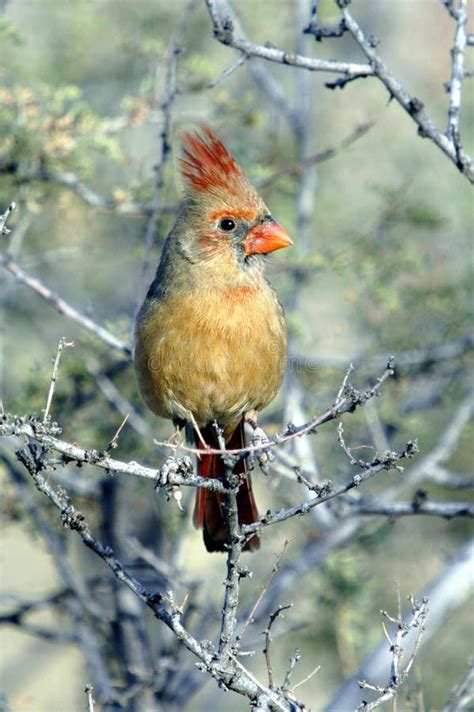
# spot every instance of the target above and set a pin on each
(208, 511)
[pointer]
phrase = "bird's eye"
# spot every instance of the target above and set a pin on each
(227, 224)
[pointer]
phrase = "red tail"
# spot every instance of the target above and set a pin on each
(208, 514)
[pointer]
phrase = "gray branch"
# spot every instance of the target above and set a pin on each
(161, 604)
(457, 75)
(224, 32)
(411, 104)
(63, 307)
(449, 590)
(418, 506)
(462, 696)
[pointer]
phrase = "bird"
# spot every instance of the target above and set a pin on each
(210, 337)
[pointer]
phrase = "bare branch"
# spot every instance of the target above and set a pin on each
(457, 76)
(414, 359)
(227, 72)
(324, 155)
(420, 505)
(442, 451)
(275, 569)
(235, 545)
(161, 605)
(63, 343)
(121, 404)
(398, 675)
(90, 700)
(176, 472)
(462, 696)
(347, 401)
(329, 491)
(55, 544)
(3, 219)
(268, 641)
(412, 105)
(448, 590)
(64, 308)
(169, 94)
(308, 677)
(224, 32)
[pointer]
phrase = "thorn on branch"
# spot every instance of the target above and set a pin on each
(319, 32)
(341, 82)
(373, 41)
(3, 219)
(415, 105)
(225, 31)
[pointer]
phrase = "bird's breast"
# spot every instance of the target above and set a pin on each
(216, 353)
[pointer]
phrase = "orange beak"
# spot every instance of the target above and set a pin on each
(266, 237)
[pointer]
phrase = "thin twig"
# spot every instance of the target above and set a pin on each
(3, 219)
(462, 696)
(324, 155)
(265, 587)
(457, 76)
(347, 403)
(271, 695)
(330, 491)
(308, 677)
(90, 700)
(294, 659)
(120, 403)
(410, 103)
(63, 344)
(227, 72)
(64, 308)
(398, 675)
(268, 641)
(114, 442)
(420, 505)
(244, 684)
(169, 94)
(224, 32)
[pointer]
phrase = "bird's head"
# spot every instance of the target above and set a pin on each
(223, 208)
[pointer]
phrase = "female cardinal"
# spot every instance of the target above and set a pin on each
(210, 336)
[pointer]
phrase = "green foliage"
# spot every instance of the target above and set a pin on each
(50, 128)
(8, 33)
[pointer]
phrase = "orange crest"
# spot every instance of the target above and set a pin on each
(207, 164)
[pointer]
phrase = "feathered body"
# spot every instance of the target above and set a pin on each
(210, 336)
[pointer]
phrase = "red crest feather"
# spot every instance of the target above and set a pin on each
(207, 164)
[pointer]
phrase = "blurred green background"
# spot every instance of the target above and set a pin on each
(387, 268)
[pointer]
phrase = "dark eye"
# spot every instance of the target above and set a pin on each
(227, 224)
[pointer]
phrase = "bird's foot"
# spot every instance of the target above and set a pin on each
(263, 454)
(251, 417)
(174, 439)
